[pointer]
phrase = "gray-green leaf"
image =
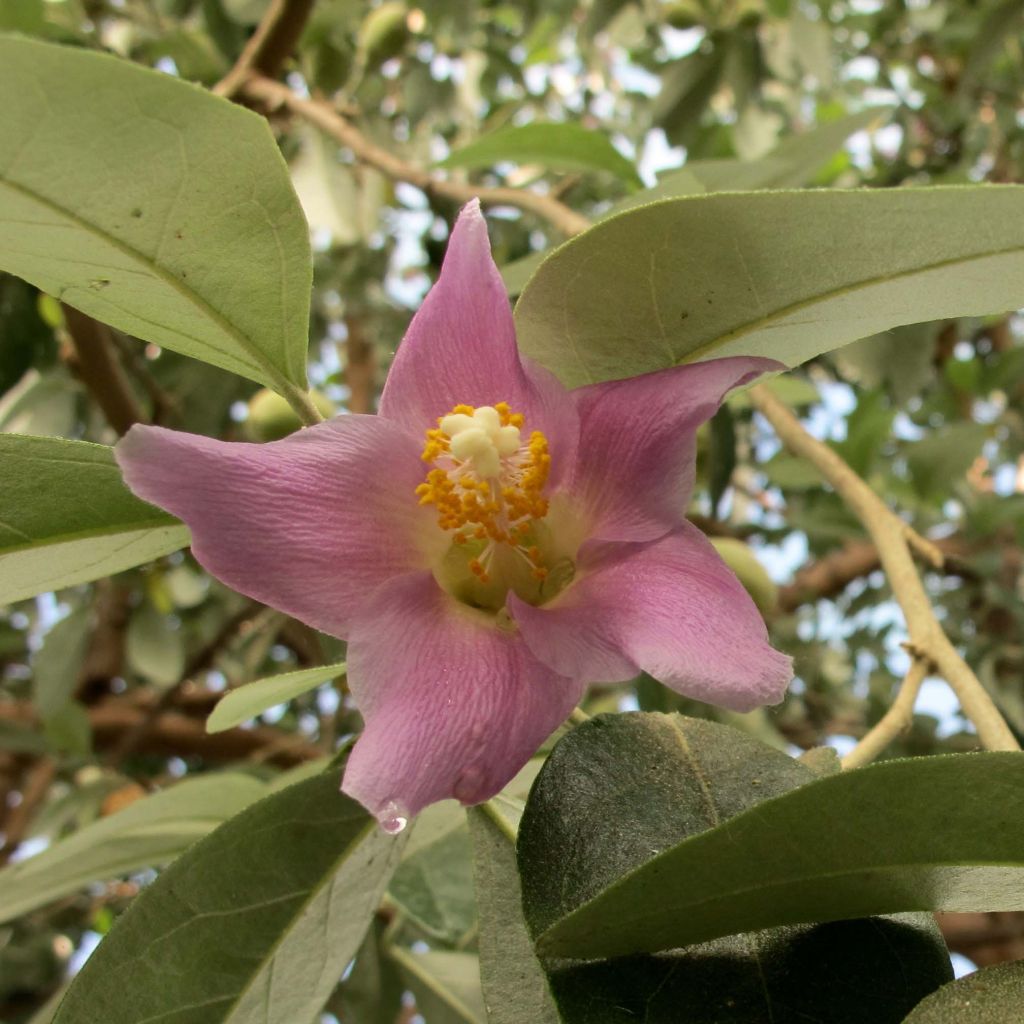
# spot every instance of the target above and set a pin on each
(155, 206)
(558, 147)
(148, 833)
(256, 922)
(781, 274)
(89, 526)
(252, 699)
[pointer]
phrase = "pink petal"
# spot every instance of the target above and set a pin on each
(454, 706)
(461, 349)
(310, 524)
(671, 608)
(637, 444)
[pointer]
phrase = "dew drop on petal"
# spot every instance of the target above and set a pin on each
(393, 817)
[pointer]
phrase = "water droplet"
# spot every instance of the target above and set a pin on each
(393, 817)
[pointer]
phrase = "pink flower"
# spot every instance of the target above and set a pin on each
(489, 544)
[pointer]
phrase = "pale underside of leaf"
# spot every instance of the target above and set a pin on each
(781, 274)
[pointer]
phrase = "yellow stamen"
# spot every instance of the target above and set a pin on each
(486, 484)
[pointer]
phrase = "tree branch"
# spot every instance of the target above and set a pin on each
(269, 46)
(95, 362)
(328, 120)
(889, 533)
(834, 572)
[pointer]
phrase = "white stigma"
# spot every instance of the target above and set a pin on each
(481, 440)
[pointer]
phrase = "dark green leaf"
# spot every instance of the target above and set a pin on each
(782, 274)
(256, 922)
(895, 836)
(90, 524)
(846, 972)
(993, 995)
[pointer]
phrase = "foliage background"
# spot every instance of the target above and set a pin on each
(105, 687)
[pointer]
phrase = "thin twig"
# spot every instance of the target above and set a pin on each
(895, 721)
(321, 114)
(269, 46)
(889, 533)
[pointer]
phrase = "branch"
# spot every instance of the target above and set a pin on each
(834, 572)
(33, 792)
(201, 660)
(95, 362)
(889, 533)
(895, 721)
(174, 734)
(328, 120)
(269, 46)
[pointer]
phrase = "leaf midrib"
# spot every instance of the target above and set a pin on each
(731, 894)
(260, 360)
(51, 540)
(326, 878)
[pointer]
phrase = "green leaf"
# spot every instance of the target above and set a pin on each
(446, 985)
(155, 206)
(434, 882)
(782, 274)
(154, 646)
(147, 833)
(873, 841)
(515, 987)
(993, 995)
(557, 147)
(846, 972)
(252, 699)
(939, 460)
(372, 992)
(255, 922)
(89, 526)
(56, 667)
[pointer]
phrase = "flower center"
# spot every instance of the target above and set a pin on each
(487, 485)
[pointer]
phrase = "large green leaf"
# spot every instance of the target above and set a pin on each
(896, 836)
(256, 922)
(993, 995)
(792, 164)
(248, 701)
(870, 971)
(154, 206)
(515, 988)
(147, 833)
(89, 525)
(662, 779)
(782, 274)
(562, 147)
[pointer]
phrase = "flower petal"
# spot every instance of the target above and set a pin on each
(637, 444)
(454, 706)
(671, 608)
(461, 349)
(310, 524)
